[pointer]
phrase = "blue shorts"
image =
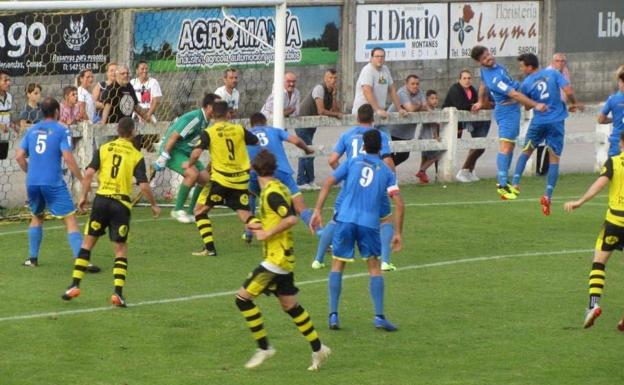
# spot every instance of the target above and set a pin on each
(384, 211)
(283, 177)
(508, 120)
(55, 198)
(614, 147)
(346, 235)
(552, 133)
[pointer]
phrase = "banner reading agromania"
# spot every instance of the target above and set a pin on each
(46, 44)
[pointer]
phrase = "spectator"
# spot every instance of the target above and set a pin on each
(120, 99)
(292, 97)
(32, 112)
(85, 100)
(228, 91)
(147, 91)
(429, 131)
(412, 100)
(373, 85)
(98, 90)
(462, 95)
(6, 102)
(70, 110)
(320, 101)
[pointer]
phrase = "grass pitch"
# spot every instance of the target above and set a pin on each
(487, 292)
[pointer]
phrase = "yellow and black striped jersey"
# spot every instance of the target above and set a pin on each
(229, 160)
(276, 205)
(614, 170)
(117, 162)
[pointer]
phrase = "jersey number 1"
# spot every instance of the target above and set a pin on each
(116, 163)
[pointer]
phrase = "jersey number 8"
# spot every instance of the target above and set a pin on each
(116, 163)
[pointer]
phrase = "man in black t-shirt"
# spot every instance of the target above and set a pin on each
(120, 99)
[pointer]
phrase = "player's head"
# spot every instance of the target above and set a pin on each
(230, 78)
(33, 92)
(208, 101)
(432, 98)
(5, 81)
(482, 55)
(142, 68)
(365, 114)
(264, 164)
(125, 127)
(412, 84)
(378, 57)
(528, 63)
(372, 141)
(50, 108)
(220, 110)
(257, 119)
(465, 78)
(330, 78)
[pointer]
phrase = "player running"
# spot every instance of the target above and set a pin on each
(229, 173)
(116, 163)
(367, 183)
(611, 236)
(40, 155)
(351, 145)
(615, 106)
(504, 92)
(176, 148)
(544, 85)
(275, 273)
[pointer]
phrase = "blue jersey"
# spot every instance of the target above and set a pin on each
(367, 182)
(271, 138)
(44, 144)
(500, 84)
(352, 142)
(615, 105)
(544, 86)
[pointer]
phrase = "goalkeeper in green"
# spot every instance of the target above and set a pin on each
(180, 139)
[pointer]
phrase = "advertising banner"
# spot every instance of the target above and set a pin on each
(46, 44)
(179, 39)
(507, 28)
(404, 31)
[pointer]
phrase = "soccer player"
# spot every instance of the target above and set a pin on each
(229, 172)
(367, 183)
(40, 154)
(351, 145)
(176, 148)
(614, 105)
(116, 163)
(272, 139)
(275, 273)
(611, 236)
(504, 92)
(544, 85)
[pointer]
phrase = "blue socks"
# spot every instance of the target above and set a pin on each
(503, 161)
(553, 175)
(520, 166)
(305, 216)
(324, 241)
(387, 232)
(377, 293)
(335, 287)
(75, 241)
(35, 235)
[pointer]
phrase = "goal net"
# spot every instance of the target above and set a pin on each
(105, 60)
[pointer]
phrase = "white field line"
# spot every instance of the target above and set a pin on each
(302, 283)
(430, 204)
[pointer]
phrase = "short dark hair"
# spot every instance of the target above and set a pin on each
(32, 86)
(375, 49)
(220, 109)
(431, 92)
(209, 99)
(257, 119)
(264, 163)
(331, 71)
(477, 51)
(529, 59)
(139, 63)
(125, 127)
(365, 114)
(3, 73)
(69, 89)
(621, 77)
(410, 76)
(228, 70)
(49, 106)
(372, 141)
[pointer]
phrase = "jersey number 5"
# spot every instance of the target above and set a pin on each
(40, 146)
(116, 163)
(367, 176)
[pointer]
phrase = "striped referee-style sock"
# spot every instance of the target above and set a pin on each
(204, 225)
(120, 269)
(301, 318)
(81, 262)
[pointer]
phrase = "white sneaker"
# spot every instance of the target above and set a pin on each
(319, 357)
(316, 265)
(182, 216)
(591, 315)
(385, 266)
(474, 177)
(304, 187)
(464, 176)
(259, 357)
(314, 187)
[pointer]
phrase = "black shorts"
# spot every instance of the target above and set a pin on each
(109, 212)
(611, 237)
(262, 280)
(217, 195)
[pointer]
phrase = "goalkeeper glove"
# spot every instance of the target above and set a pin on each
(161, 162)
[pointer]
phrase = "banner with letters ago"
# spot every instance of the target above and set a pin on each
(507, 28)
(46, 44)
(204, 38)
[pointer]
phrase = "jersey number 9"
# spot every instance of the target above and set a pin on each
(367, 176)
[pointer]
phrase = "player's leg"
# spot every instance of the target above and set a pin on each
(120, 271)
(554, 143)
(325, 241)
(343, 248)
(535, 135)
(190, 176)
(36, 202)
(81, 262)
(203, 178)
(254, 192)
(202, 220)
(508, 128)
(386, 230)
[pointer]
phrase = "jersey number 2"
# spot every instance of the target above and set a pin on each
(543, 89)
(116, 163)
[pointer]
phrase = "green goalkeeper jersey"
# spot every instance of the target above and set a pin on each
(188, 126)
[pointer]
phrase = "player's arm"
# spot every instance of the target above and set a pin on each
(251, 139)
(481, 99)
(315, 220)
(604, 119)
(398, 218)
(389, 162)
(87, 179)
(21, 158)
(605, 176)
(574, 104)
(297, 141)
(164, 156)
(140, 175)
(526, 101)
(334, 157)
(204, 143)
(278, 204)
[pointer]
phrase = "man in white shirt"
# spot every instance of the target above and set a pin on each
(147, 90)
(291, 98)
(6, 102)
(373, 85)
(228, 91)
